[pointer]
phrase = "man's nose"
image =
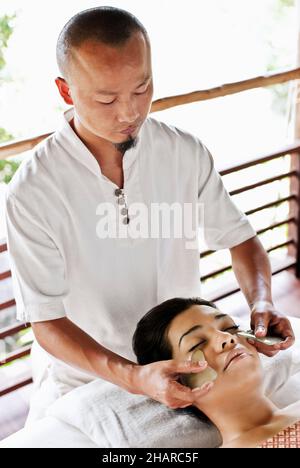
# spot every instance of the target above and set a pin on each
(128, 113)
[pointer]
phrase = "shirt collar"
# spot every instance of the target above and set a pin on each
(77, 149)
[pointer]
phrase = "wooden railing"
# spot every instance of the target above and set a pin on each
(11, 331)
(17, 147)
(293, 219)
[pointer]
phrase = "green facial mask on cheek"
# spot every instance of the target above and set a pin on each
(200, 378)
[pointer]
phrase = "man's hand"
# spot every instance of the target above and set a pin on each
(159, 380)
(266, 320)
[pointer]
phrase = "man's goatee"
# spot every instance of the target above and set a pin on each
(126, 145)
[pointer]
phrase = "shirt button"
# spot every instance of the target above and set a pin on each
(124, 211)
(121, 201)
(126, 220)
(118, 192)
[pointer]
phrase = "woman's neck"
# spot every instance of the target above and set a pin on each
(239, 416)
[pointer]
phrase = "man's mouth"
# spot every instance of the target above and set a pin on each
(129, 130)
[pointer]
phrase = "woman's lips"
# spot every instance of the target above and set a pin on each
(234, 357)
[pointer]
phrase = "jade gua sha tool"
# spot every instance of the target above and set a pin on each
(200, 378)
(267, 340)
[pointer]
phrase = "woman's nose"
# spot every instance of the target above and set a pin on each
(223, 341)
(228, 343)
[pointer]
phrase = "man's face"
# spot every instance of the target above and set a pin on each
(111, 88)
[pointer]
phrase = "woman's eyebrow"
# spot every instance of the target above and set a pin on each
(196, 327)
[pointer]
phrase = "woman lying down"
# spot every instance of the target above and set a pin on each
(193, 328)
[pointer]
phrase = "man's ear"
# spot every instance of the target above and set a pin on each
(64, 90)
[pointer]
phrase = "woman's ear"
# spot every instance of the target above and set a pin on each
(64, 90)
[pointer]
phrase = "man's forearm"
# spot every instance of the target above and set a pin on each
(67, 342)
(252, 269)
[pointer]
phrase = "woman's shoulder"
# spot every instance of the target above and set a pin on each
(254, 437)
(290, 413)
(282, 419)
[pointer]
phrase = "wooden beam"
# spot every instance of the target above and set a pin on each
(284, 265)
(5, 275)
(268, 79)
(6, 305)
(20, 146)
(13, 329)
(290, 149)
(18, 354)
(22, 383)
(3, 247)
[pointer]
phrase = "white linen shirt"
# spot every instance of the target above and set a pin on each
(61, 268)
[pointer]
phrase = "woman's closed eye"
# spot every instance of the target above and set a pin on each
(232, 329)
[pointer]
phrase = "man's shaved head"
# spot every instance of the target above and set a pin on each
(104, 56)
(104, 24)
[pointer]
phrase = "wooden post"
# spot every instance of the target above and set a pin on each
(297, 135)
(297, 82)
(298, 225)
(294, 231)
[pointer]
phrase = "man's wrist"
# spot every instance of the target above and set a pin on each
(128, 377)
(117, 370)
(133, 379)
(262, 305)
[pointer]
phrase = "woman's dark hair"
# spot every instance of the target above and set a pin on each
(150, 342)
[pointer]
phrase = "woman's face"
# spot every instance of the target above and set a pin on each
(235, 361)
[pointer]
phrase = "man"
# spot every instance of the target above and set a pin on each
(84, 293)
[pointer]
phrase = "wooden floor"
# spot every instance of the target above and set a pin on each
(286, 292)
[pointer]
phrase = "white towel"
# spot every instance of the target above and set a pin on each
(282, 376)
(112, 417)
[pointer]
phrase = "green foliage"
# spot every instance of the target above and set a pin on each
(280, 94)
(282, 12)
(8, 169)
(5, 136)
(6, 30)
(287, 3)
